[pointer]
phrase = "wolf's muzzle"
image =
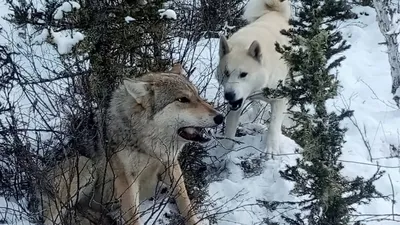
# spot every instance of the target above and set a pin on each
(218, 119)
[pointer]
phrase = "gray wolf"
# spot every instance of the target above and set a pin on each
(150, 119)
(249, 63)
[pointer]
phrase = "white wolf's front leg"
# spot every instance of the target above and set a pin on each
(232, 122)
(278, 108)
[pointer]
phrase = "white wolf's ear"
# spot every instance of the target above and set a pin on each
(255, 51)
(137, 89)
(223, 46)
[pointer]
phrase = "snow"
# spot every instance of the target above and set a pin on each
(66, 40)
(167, 13)
(205, 56)
(129, 19)
(12, 213)
(42, 37)
(366, 81)
(64, 8)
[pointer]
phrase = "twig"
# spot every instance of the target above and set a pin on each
(393, 197)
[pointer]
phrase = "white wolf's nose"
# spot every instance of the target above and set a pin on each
(230, 96)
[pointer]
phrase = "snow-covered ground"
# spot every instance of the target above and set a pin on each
(366, 81)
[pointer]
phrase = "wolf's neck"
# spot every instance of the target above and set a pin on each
(162, 146)
(149, 141)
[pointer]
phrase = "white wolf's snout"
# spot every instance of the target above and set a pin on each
(233, 92)
(236, 94)
(232, 99)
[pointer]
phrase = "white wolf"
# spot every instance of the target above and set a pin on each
(249, 62)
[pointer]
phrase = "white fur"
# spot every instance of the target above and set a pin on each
(257, 8)
(268, 18)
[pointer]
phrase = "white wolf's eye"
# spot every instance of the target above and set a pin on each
(183, 100)
(243, 75)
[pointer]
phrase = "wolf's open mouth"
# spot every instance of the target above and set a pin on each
(198, 134)
(236, 104)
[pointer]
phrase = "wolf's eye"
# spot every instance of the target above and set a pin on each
(183, 100)
(243, 75)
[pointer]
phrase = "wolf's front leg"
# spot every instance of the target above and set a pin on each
(174, 179)
(127, 190)
(278, 108)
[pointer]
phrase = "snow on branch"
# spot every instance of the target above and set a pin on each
(129, 19)
(167, 13)
(64, 8)
(65, 41)
(42, 37)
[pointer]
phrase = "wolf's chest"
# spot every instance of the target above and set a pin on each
(150, 183)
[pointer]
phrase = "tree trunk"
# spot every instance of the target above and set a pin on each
(385, 24)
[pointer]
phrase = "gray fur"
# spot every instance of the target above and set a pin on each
(143, 146)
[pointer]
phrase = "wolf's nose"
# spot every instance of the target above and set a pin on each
(230, 96)
(219, 119)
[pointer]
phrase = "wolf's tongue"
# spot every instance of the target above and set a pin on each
(191, 131)
(194, 134)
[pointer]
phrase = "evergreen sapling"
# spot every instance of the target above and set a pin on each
(328, 197)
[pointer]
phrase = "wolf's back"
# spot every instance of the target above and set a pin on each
(257, 8)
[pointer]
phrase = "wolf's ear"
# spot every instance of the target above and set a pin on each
(177, 69)
(223, 46)
(255, 51)
(137, 89)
